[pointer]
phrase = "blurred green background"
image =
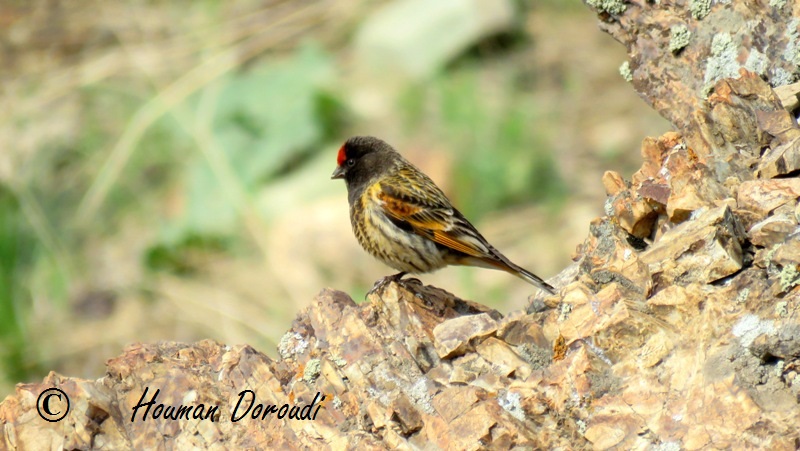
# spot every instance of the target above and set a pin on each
(164, 166)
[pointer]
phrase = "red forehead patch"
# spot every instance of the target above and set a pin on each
(341, 156)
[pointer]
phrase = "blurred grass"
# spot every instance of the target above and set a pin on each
(16, 257)
(264, 123)
(177, 157)
(501, 157)
(132, 141)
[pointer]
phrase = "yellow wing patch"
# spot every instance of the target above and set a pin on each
(446, 240)
(422, 221)
(396, 207)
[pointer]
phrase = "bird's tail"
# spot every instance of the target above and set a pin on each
(508, 266)
(532, 279)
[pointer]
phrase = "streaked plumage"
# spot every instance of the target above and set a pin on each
(403, 219)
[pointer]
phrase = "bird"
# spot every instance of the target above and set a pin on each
(403, 219)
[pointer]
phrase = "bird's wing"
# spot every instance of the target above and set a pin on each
(413, 202)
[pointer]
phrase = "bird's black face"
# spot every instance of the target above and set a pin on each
(360, 159)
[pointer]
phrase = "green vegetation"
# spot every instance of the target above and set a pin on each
(499, 146)
(16, 257)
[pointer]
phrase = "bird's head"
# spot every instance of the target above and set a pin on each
(362, 158)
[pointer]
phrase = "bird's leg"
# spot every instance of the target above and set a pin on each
(383, 281)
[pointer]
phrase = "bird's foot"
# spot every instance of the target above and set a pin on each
(380, 285)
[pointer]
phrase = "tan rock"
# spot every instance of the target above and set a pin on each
(613, 423)
(453, 402)
(789, 95)
(671, 295)
(658, 192)
(525, 330)
(703, 250)
(491, 382)
(780, 160)
(406, 415)
(691, 190)
(471, 428)
(788, 252)
(763, 196)
(772, 230)
(378, 414)
(655, 349)
(654, 151)
(452, 337)
(504, 359)
(606, 435)
(467, 368)
(567, 379)
(613, 183)
(634, 214)
(610, 257)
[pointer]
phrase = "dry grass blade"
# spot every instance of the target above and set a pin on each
(169, 97)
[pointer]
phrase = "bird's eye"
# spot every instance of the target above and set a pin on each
(350, 162)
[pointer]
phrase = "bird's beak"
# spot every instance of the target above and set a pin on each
(338, 173)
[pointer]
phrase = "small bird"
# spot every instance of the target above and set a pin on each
(403, 219)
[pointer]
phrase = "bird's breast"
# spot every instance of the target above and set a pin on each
(398, 248)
